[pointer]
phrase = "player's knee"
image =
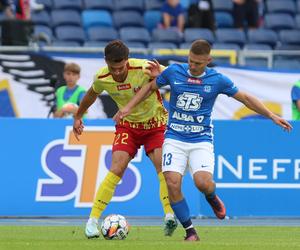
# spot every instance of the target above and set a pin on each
(205, 186)
(174, 187)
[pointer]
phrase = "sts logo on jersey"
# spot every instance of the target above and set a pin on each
(189, 101)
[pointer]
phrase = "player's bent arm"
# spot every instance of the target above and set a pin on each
(253, 103)
(256, 105)
(89, 98)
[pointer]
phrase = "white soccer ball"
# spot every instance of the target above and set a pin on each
(115, 226)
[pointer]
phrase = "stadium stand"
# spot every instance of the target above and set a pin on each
(65, 17)
(70, 33)
(192, 34)
(67, 4)
(230, 35)
(279, 21)
(41, 18)
(135, 34)
(223, 19)
(223, 5)
(263, 36)
(166, 35)
(121, 19)
(153, 4)
(151, 19)
(91, 18)
(103, 34)
(102, 5)
(281, 6)
(135, 5)
(162, 45)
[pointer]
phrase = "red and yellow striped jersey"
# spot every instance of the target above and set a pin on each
(148, 114)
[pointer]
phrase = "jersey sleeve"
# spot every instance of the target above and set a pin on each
(97, 84)
(164, 78)
(228, 87)
(295, 94)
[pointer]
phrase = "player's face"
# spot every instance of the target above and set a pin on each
(118, 70)
(197, 63)
(71, 78)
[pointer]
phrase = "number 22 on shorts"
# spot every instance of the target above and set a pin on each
(121, 139)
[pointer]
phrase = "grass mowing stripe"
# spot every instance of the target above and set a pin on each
(151, 237)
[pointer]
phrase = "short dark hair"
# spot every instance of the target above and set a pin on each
(200, 47)
(116, 51)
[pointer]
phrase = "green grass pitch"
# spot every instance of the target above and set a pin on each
(151, 237)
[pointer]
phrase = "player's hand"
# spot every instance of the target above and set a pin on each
(77, 128)
(121, 114)
(282, 122)
(153, 69)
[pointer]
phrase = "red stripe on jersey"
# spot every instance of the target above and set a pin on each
(103, 76)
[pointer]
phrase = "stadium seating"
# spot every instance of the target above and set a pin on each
(278, 21)
(223, 19)
(281, 6)
(162, 45)
(153, 4)
(135, 45)
(92, 18)
(284, 64)
(223, 5)
(102, 5)
(41, 17)
(48, 4)
(291, 37)
(66, 44)
(297, 20)
(151, 19)
(43, 29)
(166, 35)
(257, 46)
(135, 5)
(103, 34)
(227, 46)
(263, 36)
(185, 3)
(70, 33)
(67, 4)
(95, 44)
(123, 18)
(228, 35)
(192, 34)
(135, 34)
(256, 62)
(65, 17)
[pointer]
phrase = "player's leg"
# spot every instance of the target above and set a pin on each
(173, 166)
(153, 141)
(170, 220)
(202, 166)
(120, 160)
(124, 149)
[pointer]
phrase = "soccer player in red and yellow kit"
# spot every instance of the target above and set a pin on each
(121, 79)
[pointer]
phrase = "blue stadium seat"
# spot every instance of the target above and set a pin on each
(223, 5)
(136, 45)
(41, 18)
(288, 47)
(286, 64)
(223, 19)
(257, 46)
(70, 33)
(263, 36)
(166, 35)
(135, 34)
(151, 19)
(58, 43)
(256, 62)
(281, 6)
(277, 21)
(48, 4)
(153, 4)
(192, 34)
(123, 18)
(228, 35)
(226, 46)
(38, 29)
(185, 3)
(101, 5)
(102, 34)
(298, 6)
(65, 17)
(67, 4)
(135, 5)
(297, 20)
(162, 45)
(95, 44)
(185, 45)
(291, 37)
(92, 18)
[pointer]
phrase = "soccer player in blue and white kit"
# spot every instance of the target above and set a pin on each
(189, 136)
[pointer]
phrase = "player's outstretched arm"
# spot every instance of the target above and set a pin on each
(256, 105)
(89, 98)
(141, 95)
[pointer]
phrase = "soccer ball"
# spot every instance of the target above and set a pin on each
(115, 227)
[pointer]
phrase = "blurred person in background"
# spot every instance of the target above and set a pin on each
(201, 15)
(173, 15)
(246, 13)
(22, 9)
(7, 9)
(295, 95)
(69, 96)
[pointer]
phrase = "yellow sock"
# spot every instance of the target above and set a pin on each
(163, 194)
(104, 194)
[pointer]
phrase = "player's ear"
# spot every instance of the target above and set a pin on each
(209, 60)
